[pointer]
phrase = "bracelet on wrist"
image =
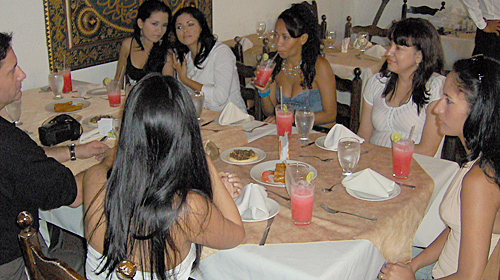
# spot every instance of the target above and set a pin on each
(72, 154)
(265, 94)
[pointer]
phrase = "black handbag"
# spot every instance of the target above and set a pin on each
(59, 129)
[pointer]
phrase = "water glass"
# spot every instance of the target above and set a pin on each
(304, 121)
(56, 83)
(14, 111)
(363, 41)
(330, 39)
(198, 101)
(348, 153)
(261, 29)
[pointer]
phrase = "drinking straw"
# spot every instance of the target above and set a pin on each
(281, 97)
(411, 132)
(64, 61)
(121, 75)
(275, 56)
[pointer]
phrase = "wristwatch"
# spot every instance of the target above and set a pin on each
(72, 153)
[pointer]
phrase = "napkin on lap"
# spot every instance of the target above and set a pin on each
(336, 132)
(376, 51)
(369, 182)
(232, 114)
(252, 202)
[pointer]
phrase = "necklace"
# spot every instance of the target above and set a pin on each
(291, 72)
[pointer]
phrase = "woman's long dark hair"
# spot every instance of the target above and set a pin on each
(421, 34)
(159, 50)
(206, 40)
(300, 20)
(479, 79)
(159, 160)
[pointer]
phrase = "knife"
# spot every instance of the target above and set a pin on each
(205, 124)
(266, 231)
(308, 144)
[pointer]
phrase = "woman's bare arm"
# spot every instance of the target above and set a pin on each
(326, 84)
(431, 138)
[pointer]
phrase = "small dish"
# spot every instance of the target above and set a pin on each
(224, 156)
(272, 206)
(320, 142)
(369, 197)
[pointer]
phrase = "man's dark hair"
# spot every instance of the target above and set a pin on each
(5, 39)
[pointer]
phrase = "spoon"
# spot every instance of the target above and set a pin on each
(326, 190)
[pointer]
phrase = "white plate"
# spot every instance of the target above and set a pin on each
(260, 153)
(320, 142)
(86, 121)
(272, 206)
(256, 171)
(97, 91)
(247, 120)
(368, 197)
(50, 107)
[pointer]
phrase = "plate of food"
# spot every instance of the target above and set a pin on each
(243, 155)
(92, 121)
(272, 173)
(271, 205)
(68, 105)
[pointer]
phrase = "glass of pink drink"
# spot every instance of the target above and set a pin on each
(264, 71)
(284, 119)
(68, 86)
(402, 153)
(114, 93)
(302, 197)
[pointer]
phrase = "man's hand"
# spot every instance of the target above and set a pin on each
(492, 26)
(93, 149)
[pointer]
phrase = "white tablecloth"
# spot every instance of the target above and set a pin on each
(456, 47)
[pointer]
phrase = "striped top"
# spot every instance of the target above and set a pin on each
(387, 119)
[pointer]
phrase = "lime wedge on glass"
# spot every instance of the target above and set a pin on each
(285, 108)
(106, 81)
(265, 57)
(396, 136)
(310, 176)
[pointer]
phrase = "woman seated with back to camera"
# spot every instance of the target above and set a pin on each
(305, 78)
(407, 88)
(147, 50)
(162, 198)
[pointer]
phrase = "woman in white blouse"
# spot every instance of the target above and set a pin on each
(407, 88)
(202, 63)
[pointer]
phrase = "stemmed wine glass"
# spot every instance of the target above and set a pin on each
(261, 29)
(14, 111)
(330, 39)
(363, 41)
(348, 153)
(198, 101)
(56, 83)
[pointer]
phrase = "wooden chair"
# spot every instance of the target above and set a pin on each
(423, 10)
(373, 29)
(349, 115)
(40, 267)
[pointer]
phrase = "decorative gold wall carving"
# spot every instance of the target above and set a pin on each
(83, 33)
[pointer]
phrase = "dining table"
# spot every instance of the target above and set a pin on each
(333, 246)
(457, 45)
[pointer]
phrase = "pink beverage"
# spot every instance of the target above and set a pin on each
(263, 75)
(302, 203)
(68, 86)
(284, 120)
(114, 93)
(402, 153)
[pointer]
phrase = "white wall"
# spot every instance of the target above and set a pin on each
(230, 18)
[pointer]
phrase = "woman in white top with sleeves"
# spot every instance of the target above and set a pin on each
(202, 63)
(407, 88)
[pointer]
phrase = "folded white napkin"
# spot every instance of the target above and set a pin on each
(232, 114)
(376, 51)
(246, 43)
(252, 202)
(369, 182)
(89, 136)
(336, 132)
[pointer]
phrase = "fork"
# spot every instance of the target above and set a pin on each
(214, 130)
(253, 128)
(330, 210)
(322, 159)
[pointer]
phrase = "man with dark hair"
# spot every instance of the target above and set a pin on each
(486, 16)
(31, 177)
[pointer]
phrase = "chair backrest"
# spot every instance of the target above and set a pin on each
(349, 115)
(246, 72)
(40, 267)
(372, 30)
(423, 10)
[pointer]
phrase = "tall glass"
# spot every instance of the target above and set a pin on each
(402, 154)
(302, 200)
(304, 121)
(284, 119)
(114, 93)
(14, 112)
(198, 101)
(363, 38)
(330, 39)
(68, 86)
(264, 71)
(56, 83)
(261, 29)
(348, 153)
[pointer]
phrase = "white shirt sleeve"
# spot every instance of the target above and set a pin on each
(475, 13)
